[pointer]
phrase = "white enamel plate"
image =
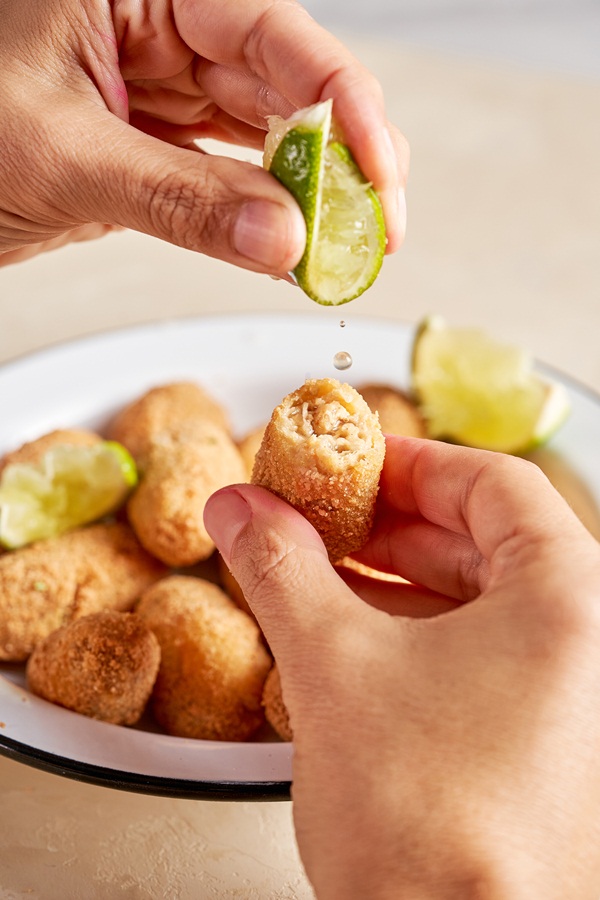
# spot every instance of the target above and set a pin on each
(249, 363)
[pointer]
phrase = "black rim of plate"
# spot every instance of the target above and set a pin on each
(143, 784)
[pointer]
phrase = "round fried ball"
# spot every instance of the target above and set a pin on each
(103, 665)
(213, 661)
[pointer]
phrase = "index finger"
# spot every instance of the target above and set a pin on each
(279, 43)
(488, 496)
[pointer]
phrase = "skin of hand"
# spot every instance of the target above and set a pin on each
(446, 733)
(101, 102)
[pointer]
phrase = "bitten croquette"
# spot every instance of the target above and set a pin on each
(55, 581)
(323, 452)
(213, 661)
(103, 665)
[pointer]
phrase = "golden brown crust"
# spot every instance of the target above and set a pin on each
(248, 447)
(213, 662)
(103, 665)
(183, 468)
(161, 409)
(275, 709)
(33, 451)
(52, 582)
(397, 412)
(323, 451)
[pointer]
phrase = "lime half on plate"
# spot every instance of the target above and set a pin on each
(345, 230)
(476, 391)
(70, 486)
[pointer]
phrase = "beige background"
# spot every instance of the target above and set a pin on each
(504, 226)
(504, 233)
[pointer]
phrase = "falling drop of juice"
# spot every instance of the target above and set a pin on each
(342, 360)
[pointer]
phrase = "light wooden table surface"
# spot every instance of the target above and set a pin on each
(504, 233)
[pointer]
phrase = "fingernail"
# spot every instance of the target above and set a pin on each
(269, 233)
(225, 515)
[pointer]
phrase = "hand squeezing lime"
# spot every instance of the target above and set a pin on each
(71, 486)
(345, 230)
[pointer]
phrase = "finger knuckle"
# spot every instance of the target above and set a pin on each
(181, 208)
(257, 47)
(470, 569)
(268, 565)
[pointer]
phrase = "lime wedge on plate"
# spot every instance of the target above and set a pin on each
(345, 230)
(71, 486)
(476, 391)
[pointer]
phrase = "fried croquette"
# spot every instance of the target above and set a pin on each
(275, 709)
(162, 409)
(323, 451)
(33, 451)
(397, 412)
(103, 665)
(183, 468)
(248, 447)
(55, 581)
(213, 661)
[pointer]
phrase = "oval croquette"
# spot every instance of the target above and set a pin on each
(52, 582)
(213, 661)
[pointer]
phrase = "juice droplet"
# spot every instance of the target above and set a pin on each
(342, 360)
(342, 323)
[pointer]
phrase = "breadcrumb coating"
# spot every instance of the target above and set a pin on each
(213, 661)
(52, 582)
(183, 468)
(323, 451)
(397, 412)
(33, 451)
(275, 709)
(103, 665)
(162, 409)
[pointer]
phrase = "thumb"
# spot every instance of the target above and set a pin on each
(281, 564)
(231, 210)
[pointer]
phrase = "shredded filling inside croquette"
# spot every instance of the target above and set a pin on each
(334, 423)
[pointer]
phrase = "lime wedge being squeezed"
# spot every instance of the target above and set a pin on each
(71, 486)
(476, 391)
(345, 230)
